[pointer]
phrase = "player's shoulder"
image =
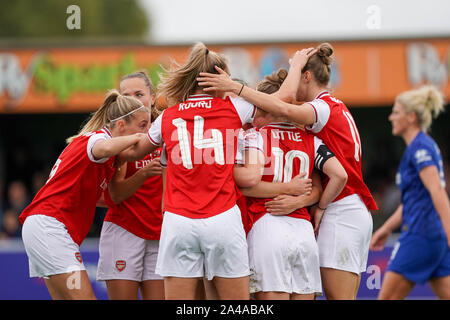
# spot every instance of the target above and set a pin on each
(423, 148)
(332, 102)
(423, 141)
(328, 98)
(238, 102)
(103, 132)
(83, 139)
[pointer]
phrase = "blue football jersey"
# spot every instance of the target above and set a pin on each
(419, 214)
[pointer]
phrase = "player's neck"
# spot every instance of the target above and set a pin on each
(410, 134)
(314, 91)
(200, 91)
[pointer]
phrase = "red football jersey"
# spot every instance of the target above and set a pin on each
(200, 137)
(141, 213)
(335, 126)
(74, 186)
(289, 151)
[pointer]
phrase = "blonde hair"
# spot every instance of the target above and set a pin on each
(181, 82)
(319, 64)
(142, 74)
(426, 102)
(114, 107)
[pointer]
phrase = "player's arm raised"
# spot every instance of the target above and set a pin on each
(273, 104)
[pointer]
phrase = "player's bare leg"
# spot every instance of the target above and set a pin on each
(210, 290)
(70, 286)
(200, 293)
(122, 289)
(233, 288)
(395, 287)
(339, 284)
(441, 287)
(296, 296)
(152, 290)
(271, 295)
(176, 288)
(54, 294)
(357, 286)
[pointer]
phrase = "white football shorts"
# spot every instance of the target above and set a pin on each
(208, 247)
(49, 247)
(125, 256)
(283, 256)
(344, 235)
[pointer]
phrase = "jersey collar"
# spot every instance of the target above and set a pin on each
(106, 130)
(281, 125)
(198, 97)
(322, 94)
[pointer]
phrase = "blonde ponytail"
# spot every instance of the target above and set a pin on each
(181, 82)
(114, 107)
(426, 102)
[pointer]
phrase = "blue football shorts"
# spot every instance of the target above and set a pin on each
(419, 259)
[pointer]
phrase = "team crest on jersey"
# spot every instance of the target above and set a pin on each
(78, 257)
(398, 179)
(120, 265)
(422, 155)
(156, 154)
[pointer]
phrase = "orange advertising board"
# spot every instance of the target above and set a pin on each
(364, 73)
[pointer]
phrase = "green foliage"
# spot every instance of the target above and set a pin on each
(40, 19)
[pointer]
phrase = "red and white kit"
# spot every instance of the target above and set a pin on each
(282, 249)
(346, 227)
(200, 136)
(65, 207)
(141, 213)
(243, 145)
(129, 240)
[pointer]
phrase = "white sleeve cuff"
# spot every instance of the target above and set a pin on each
(91, 142)
(322, 114)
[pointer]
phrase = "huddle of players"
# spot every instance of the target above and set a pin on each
(198, 207)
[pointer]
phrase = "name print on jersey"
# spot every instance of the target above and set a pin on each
(288, 135)
(198, 104)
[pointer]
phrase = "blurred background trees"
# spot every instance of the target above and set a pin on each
(30, 21)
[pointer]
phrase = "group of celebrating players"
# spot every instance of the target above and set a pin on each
(229, 193)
